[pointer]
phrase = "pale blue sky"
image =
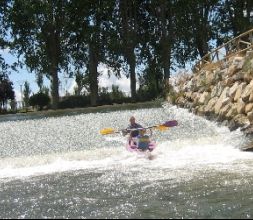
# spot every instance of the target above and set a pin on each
(18, 78)
(66, 84)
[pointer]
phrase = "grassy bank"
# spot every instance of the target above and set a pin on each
(103, 108)
(74, 111)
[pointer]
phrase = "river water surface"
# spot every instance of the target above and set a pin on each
(61, 167)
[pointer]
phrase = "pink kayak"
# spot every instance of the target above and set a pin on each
(132, 146)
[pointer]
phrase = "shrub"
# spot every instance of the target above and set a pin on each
(39, 100)
(146, 94)
(104, 97)
(74, 101)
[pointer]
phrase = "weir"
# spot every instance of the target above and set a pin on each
(42, 143)
(49, 164)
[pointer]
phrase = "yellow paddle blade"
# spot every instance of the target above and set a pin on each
(161, 128)
(107, 131)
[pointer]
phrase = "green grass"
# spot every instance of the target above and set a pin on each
(75, 111)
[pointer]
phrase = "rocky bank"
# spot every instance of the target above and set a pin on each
(221, 91)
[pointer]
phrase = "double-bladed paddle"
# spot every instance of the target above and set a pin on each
(160, 127)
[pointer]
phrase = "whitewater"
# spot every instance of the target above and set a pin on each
(61, 167)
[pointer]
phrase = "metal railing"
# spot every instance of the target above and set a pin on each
(235, 46)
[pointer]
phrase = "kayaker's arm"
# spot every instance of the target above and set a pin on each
(124, 132)
(151, 132)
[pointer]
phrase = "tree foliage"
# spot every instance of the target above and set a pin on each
(6, 91)
(26, 92)
(38, 32)
(39, 100)
(146, 39)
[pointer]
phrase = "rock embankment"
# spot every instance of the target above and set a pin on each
(220, 91)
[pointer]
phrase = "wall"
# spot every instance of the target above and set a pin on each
(220, 91)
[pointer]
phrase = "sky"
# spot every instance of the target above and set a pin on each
(67, 84)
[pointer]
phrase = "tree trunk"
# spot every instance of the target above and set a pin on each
(129, 34)
(54, 88)
(166, 28)
(166, 70)
(53, 52)
(166, 53)
(132, 64)
(93, 75)
(53, 56)
(202, 45)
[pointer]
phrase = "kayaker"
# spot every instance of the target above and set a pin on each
(132, 125)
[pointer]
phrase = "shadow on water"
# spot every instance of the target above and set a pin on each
(97, 194)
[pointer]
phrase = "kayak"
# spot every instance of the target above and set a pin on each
(131, 146)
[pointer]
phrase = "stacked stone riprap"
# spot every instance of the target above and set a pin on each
(223, 92)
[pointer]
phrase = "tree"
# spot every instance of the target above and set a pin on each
(38, 32)
(6, 91)
(195, 29)
(129, 36)
(82, 82)
(159, 23)
(40, 99)
(116, 94)
(89, 21)
(152, 77)
(39, 80)
(3, 32)
(232, 18)
(27, 91)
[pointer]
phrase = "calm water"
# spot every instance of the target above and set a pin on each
(63, 168)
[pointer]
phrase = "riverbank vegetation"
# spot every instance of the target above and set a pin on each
(30, 114)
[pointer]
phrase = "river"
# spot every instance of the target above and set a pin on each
(61, 167)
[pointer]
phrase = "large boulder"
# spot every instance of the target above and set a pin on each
(224, 110)
(232, 69)
(241, 106)
(188, 96)
(217, 89)
(241, 120)
(210, 106)
(204, 98)
(232, 111)
(221, 103)
(247, 91)
(248, 108)
(250, 116)
(218, 75)
(248, 76)
(210, 80)
(181, 101)
(238, 62)
(225, 93)
(229, 81)
(239, 76)
(239, 91)
(233, 90)
(223, 100)
(251, 97)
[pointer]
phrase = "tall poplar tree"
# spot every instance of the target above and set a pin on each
(39, 36)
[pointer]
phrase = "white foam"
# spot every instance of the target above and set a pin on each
(195, 144)
(167, 155)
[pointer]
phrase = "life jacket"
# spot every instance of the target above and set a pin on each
(143, 142)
